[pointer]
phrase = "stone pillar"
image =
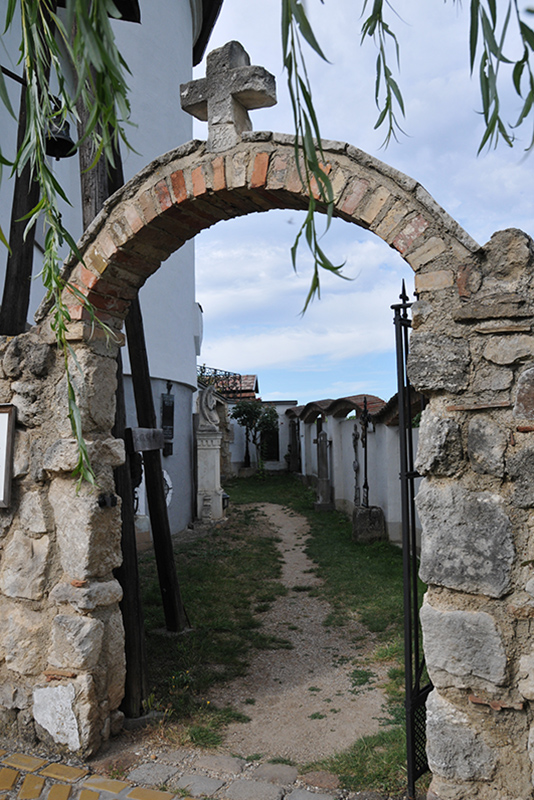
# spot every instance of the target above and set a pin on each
(472, 354)
(208, 444)
(324, 487)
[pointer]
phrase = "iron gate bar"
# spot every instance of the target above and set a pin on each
(414, 664)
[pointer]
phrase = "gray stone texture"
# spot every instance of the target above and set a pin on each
(491, 378)
(276, 773)
(526, 675)
(454, 749)
(368, 524)
(524, 404)
(305, 794)
(467, 539)
(199, 785)
(507, 350)
(76, 642)
(152, 774)
(437, 362)
(520, 467)
(88, 536)
(486, 445)
(440, 449)
(225, 764)
(252, 790)
(24, 566)
(508, 253)
(87, 597)
(461, 646)
(53, 710)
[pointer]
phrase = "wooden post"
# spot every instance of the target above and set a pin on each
(135, 690)
(175, 614)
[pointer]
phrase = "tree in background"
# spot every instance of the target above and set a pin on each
(257, 419)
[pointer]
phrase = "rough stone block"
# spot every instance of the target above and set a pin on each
(454, 749)
(87, 597)
(461, 646)
(115, 660)
(491, 378)
(23, 637)
(509, 349)
(224, 764)
(433, 281)
(526, 675)
(374, 205)
(467, 539)
(76, 642)
(24, 567)
(524, 404)
(521, 468)
(486, 444)
(304, 794)
(439, 450)
(369, 524)
(21, 459)
(88, 536)
(53, 710)
(31, 515)
(437, 362)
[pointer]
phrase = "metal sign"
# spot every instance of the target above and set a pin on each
(7, 437)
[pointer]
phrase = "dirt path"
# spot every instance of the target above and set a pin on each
(303, 702)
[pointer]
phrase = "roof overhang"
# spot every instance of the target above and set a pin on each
(210, 12)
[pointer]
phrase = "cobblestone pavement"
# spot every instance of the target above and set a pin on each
(167, 775)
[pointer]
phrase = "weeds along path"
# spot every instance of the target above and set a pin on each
(318, 697)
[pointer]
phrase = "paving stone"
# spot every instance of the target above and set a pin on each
(174, 756)
(199, 785)
(8, 778)
(152, 773)
(63, 773)
(225, 764)
(27, 763)
(88, 794)
(276, 773)
(322, 779)
(31, 788)
(149, 794)
(305, 794)
(252, 790)
(60, 791)
(105, 784)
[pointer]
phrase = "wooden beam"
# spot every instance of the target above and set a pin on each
(175, 614)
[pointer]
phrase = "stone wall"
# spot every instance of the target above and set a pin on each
(61, 656)
(472, 353)
(61, 634)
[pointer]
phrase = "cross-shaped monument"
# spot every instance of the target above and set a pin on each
(230, 89)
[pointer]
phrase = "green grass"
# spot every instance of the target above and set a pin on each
(223, 577)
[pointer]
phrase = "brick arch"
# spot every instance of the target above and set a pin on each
(190, 189)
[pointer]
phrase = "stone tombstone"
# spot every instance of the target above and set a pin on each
(324, 486)
(208, 445)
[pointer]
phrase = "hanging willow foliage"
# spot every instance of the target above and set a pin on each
(80, 36)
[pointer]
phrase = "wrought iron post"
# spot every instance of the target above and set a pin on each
(414, 663)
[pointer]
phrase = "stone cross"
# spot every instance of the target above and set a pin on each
(230, 89)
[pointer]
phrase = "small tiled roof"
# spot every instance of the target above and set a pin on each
(337, 408)
(238, 387)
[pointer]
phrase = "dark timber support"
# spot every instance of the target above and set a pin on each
(17, 282)
(175, 615)
(135, 689)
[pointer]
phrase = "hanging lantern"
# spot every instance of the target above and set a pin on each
(58, 141)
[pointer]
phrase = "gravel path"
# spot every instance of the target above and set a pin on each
(302, 702)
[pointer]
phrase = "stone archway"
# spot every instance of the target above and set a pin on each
(472, 354)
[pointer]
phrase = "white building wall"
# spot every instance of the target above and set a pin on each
(159, 55)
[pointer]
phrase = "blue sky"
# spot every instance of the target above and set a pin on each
(245, 282)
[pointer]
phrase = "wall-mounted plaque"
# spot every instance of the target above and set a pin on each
(7, 437)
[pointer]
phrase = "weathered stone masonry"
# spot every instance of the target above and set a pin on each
(472, 353)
